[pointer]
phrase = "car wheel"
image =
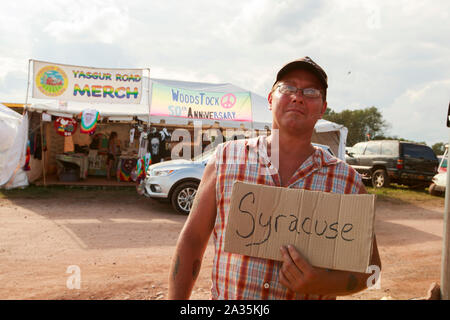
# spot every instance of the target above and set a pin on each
(380, 179)
(183, 197)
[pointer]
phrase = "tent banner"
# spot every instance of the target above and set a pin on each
(196, 104)
(86, 84)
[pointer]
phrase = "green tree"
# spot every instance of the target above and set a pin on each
(362, 124)
(438, 148)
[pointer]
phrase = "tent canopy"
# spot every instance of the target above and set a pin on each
(332, 134)
(261, 115)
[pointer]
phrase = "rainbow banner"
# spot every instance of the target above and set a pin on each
(86, 84)
(193, 104)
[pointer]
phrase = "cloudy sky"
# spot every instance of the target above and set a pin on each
(394, 55)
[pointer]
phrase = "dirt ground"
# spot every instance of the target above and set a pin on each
(123, 245)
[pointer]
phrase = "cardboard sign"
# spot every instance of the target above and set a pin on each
(333, 231)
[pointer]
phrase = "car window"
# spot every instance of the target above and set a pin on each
(373, 148)
(418, 151)
(204, 156)
(389, 148)
(359, 148)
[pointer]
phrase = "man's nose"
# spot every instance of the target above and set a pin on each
(298, 96)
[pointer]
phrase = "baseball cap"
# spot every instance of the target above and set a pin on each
(304, 63)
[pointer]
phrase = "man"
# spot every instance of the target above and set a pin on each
(297, 100)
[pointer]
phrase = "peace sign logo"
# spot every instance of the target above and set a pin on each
(228, 100)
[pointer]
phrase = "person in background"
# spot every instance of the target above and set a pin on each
(113, 152)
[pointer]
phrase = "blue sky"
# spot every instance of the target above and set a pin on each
(394, 55)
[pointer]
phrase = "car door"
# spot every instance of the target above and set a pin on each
(371, 154)
(390, 155)
(420, 162)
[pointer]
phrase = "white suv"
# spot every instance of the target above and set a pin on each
(176, 180)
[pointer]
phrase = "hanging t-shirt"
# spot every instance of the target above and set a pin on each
(26, 166)
(143, 142)
(89, 118)
(154, 146)
(164, 146)
(142, 166)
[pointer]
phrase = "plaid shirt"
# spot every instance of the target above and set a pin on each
(237, 276)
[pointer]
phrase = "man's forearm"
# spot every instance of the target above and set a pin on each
(185, 269)
(182, 277)
(342, 283)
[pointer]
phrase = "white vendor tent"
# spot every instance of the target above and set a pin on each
(13, 143)
(331, 134)
(327, 133)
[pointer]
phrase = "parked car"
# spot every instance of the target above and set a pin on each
(386, 161)
(438, 184)
(348, 152)
(443, 161)
(439, 181)
(178, 180)
(442, 164)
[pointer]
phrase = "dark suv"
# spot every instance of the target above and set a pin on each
(385, 161)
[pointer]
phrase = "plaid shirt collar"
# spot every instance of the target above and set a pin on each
(320, 158)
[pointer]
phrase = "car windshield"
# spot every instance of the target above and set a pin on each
(204, 155)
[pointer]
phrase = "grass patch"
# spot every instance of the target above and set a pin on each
(28, 192)
(400, 194)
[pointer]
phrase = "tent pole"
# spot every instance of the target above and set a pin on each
(148, 97)
(28, 86)
(43, 155)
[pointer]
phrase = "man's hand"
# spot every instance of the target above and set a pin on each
(297, 274)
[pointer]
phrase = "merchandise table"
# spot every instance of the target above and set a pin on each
(77, 158)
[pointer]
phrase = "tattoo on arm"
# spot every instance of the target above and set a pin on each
(352, 282)
(196, 269)
(177, 265)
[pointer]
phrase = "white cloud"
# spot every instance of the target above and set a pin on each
(420, 114)
(88, 21)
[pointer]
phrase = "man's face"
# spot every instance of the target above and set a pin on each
(294, 112)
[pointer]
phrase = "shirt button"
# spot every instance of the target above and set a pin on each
(266, 285)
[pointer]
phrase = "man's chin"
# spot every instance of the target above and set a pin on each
(298, 126)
